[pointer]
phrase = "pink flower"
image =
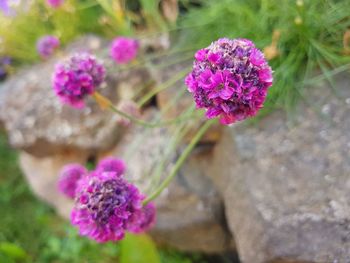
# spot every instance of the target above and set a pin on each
(69, 177)
(111, 164)
(77, 78)
(230, 79)
(54, 3)
(123, 49)
(47, 45)
(106, 205)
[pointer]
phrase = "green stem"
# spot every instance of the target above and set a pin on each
(148, 124)
(180, 161)
(163, 86)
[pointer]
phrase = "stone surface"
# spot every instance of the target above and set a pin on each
(286, 188)
(189, 212)
(42, 176)
(38, 123)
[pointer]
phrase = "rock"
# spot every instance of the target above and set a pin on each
(189, 212)
(42, 176)
(38, 123)
(286, 188)
(175, 100)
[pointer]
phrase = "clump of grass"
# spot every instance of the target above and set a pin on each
(311, 37)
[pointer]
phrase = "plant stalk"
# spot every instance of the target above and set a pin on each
(180, 161)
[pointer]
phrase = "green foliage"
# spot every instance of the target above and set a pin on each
(138, 248)
(12, 252)
(150, 9)
(311, 37)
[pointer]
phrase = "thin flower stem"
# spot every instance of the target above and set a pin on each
(106, 103)
(150, 124)
(180, 161)
(163, 86)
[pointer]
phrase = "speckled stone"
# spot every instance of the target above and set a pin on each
(286, 186)
(38, 123)
(42, 177)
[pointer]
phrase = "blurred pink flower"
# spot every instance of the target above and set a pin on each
(69, 177)
(124, 49)
(47, 45)
(77, 78)
(54, 3)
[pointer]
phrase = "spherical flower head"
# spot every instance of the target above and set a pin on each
(111, 164)
(105, 203)
(124, 49)
(77, 78)
(230, 79)
(69, 177)
(47, 45)
(54, 3)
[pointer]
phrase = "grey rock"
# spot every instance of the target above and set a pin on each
(42, 176)
(286, 187)
(38, 123)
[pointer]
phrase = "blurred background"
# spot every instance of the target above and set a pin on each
(307, 44)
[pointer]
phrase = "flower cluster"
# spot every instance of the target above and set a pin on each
(54, 3)
(123, 49)
(76, 78)
(230, 79)
(106, 205)
(47, 45)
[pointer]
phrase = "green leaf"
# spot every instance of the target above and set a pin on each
(13, 251)
(138, 249)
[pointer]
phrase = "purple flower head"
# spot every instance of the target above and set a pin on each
(5, 61)
(111, 164)
(7, 7)
(230, 79)
(106, 206)
(124, 49)
(69, 177)
(54, 3)
(4, 7)
(46, 46)
(77, 78)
